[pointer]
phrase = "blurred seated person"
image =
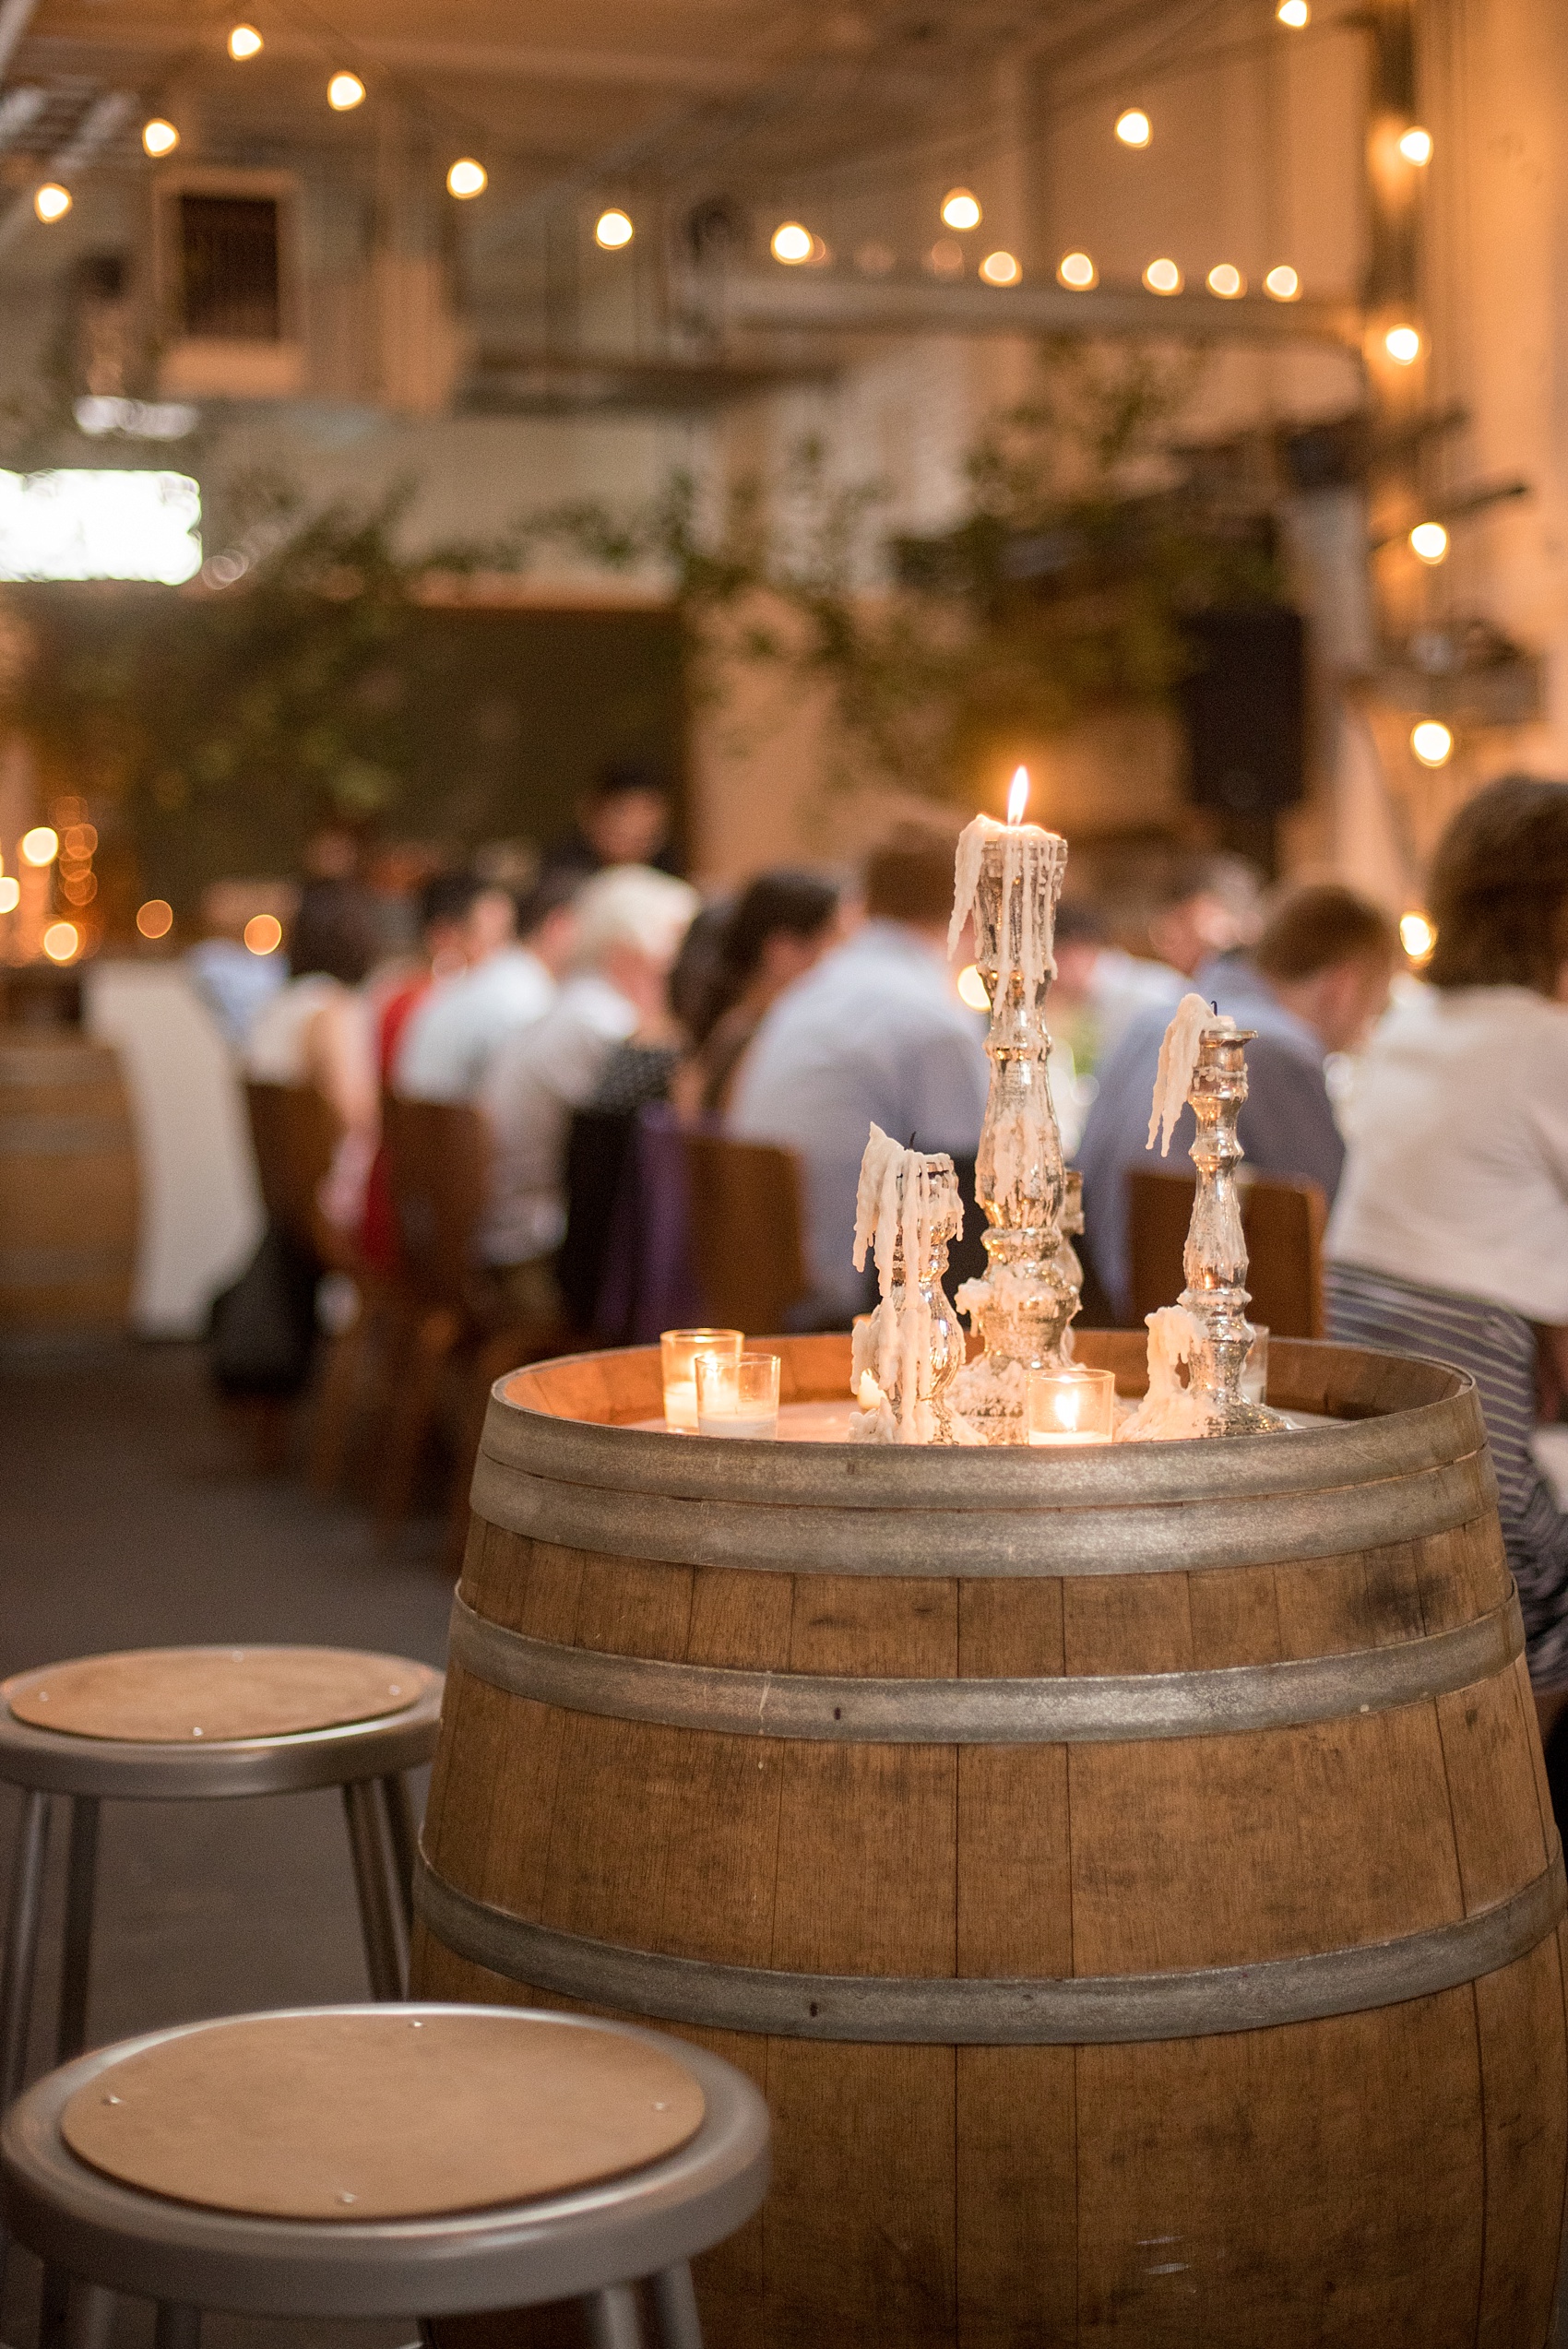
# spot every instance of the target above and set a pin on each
(874, 1033)
(317, 1031)
(1450, 1233)
(1098, 988)
(500, 983)
(1313, 984)
(1205, 903)
(630, 925)
(623, 820)
(778, 929)
(233, 982)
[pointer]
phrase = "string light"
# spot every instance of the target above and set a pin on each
(245, 41)
(960, 209)
(1133, 127)
(1415, 145)
(1294, 13)
(263, 934)
(155, 918)
(158, 137)
(1163, 276)
(1403, 345)
(62, 942)
(40, 845)
(612, 230)
(345, 91)
(467, 178)
(1001, 269)
(791, 243)
(1077, 272)
(1418, 935)
(1226, 280)
(1430, 541)
(1282, 282)
(1431, 742)
(10, 893)
(51, 201)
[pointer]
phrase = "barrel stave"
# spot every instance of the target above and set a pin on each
(1524, 2044)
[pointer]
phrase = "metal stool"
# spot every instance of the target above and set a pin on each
(425, 2160)
(200, 1724)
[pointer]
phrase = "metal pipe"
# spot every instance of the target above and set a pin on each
(75, 1963)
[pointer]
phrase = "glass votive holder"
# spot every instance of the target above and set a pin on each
(679, 1352)
(1074, 1405)
(1252, 1385)
(739, 1398)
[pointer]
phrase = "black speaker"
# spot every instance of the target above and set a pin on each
(1246, 701)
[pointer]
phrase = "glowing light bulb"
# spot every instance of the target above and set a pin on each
(51, 201)
(1227, 282)
(1000, 270)
(1294, 13)
(155, 918)
(1133, 127)
(467, 178)
(960, 209)
(1416, 936)
(1018, 795)
(1430, 541)
(62, 942)
(1163, 276)
(10, 895)
(1076, 270)
(971, 989)
(612, 230)
(791, 243)
(1431, 742)
(1282, 282)
(1403, 345)
(263, 933)
(245, 41)
(40, 845)
(159, 137)
(344, 91)
(1415, 145)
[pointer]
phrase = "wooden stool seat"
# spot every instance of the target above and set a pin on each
(224, 1695)
(417, 2161)
(381, 2115)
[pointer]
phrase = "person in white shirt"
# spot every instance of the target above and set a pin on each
(1449, 1235)
(504, 984)
(631, 921)
(874, 1033)
(317, 1031)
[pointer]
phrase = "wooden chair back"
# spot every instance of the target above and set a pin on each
(1283, 1221)
(438, 1169)
(294, 1134)
(746, 1231)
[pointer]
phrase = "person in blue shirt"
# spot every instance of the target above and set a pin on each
(1313, 984)
(875, 1031)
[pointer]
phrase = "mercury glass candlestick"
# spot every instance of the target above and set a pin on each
(1215, 1260)
(1024, 1303)
(904, 1355)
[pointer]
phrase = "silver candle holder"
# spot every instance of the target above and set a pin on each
(1022, 1306)
(912, 1345)
(1215, 1259)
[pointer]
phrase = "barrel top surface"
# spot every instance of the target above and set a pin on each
(216, 1695)
(355, 2116)
(568, 1421)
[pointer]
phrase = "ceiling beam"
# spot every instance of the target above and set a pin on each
(842, 305)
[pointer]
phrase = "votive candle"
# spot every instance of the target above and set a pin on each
(679, 1351)
(1073, 1405)
(739, 1398)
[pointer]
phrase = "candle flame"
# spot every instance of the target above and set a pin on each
(1018, 797)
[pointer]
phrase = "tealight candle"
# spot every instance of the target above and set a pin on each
(680, 1351)
(738, 1399)
(1073, 1405)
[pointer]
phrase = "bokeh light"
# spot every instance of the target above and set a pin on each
(1133, 127)
(1000, 270)
(1416, 936)
(245, 41)
(1431, 742)
(156, 918)
(613, 229)
(1430, 541)
(791, 243)
(1163, 276)
(263, 934)
(345, 90)
(40, 845)
(960, 209)
(467, 178)
(1076, 270)
(62, 942)
(158, 137)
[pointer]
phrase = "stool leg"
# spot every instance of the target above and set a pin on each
(76, 1958)
(613, 2322)
(372, 1883)
(675, 2319)
(178, 2326)
(90, 2322)
(22, 1944)
(400, 1827)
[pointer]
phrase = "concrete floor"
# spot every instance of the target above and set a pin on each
(132, 1519)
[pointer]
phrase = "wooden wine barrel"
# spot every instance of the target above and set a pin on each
(1129, 1874)
(68, 1187)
